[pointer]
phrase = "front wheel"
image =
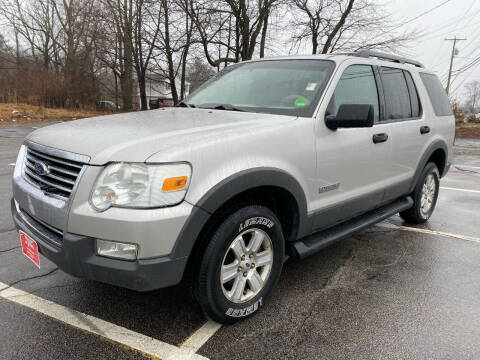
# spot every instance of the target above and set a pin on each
(424, 196)
(241, 264)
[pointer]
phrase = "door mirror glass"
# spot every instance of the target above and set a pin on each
(351, 116)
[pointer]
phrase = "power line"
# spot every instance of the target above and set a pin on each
(469, 65)
(422, 14)
(466, 77)
(442, 28)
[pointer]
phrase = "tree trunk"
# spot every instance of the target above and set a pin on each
(127, 78)
(264, 35)
(337, 27)
(115, 76)
(168, 51)
(188, 28)
(314, 42)
(142, 90)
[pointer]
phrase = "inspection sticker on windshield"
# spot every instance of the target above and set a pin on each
(30, 248)
(311, 86)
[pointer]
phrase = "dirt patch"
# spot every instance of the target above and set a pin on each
(11, 114)
(468, 130)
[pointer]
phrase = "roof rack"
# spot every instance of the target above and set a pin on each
(383, 56)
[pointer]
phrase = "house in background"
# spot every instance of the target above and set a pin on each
(159, 91)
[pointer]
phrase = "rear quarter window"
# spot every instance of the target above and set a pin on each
(436, 93)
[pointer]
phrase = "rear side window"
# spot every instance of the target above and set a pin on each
(436, 93)
(397, 97)
(356, 86)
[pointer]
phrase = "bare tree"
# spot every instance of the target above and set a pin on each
(71, 52)
(473, 96)
(76, 20)
(34, 21)
(124, 18)
(213, 22)
(184, 4)
(344, 25)
(147, 25)
(174, 45)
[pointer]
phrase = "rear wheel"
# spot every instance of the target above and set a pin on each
(424, 196)
(241, 265)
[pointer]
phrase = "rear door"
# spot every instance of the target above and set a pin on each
(404, 120)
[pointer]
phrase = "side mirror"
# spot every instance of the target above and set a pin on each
(351, 116)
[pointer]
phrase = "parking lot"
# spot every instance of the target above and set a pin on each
(392, 291)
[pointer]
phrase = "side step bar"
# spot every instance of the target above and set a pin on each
(316, 242)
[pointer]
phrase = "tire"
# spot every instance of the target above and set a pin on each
(424, 194)
(224, 301)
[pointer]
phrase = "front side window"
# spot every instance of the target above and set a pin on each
(397, 98)
(356, 86)
(286, 87)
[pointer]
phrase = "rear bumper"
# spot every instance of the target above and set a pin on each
(76, 255)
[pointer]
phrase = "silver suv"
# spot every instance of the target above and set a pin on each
(268, 158)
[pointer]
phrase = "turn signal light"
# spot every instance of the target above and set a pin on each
(175, 183)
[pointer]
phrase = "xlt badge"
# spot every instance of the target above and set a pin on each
(326, 188)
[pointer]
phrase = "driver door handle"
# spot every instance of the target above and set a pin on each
(379, 138)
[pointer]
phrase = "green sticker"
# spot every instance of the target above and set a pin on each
(301, 102)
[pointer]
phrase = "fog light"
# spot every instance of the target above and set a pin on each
(117, 250)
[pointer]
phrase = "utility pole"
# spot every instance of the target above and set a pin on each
(455, 39)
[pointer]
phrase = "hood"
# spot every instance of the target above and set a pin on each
(138, 135)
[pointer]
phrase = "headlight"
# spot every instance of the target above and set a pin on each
(138, 185)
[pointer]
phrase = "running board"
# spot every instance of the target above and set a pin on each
(316, 242)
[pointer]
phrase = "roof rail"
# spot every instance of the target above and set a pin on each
(383, 56)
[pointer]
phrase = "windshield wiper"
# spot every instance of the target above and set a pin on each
(184, 104)
(228, 107)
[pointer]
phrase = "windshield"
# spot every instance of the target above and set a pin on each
(286, 87)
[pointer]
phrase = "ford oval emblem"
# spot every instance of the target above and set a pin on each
(41, 168)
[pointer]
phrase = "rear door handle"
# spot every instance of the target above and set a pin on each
(424, 130)
(379, 138)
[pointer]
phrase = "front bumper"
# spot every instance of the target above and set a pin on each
(76, 255)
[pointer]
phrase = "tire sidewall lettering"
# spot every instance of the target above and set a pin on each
(242, 312)
(257, 220)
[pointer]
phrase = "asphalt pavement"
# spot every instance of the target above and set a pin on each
(392, 291)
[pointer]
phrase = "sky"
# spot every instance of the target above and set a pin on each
(459, 18)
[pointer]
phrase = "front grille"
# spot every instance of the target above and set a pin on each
(61, 176)
(49, 233)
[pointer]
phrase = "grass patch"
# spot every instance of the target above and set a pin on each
(470, 130)
(30, 113)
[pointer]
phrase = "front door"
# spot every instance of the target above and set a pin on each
(353, 164)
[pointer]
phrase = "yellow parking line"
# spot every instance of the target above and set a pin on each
(126, 338)
(426, 231)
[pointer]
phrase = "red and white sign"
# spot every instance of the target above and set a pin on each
(30, 248)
